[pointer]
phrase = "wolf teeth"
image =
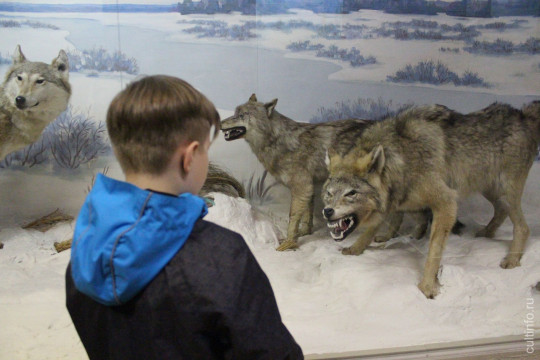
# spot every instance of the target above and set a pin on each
(334, 224)
(337, 236)
(338, 228)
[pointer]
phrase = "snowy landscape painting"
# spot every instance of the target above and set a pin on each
(323, 61)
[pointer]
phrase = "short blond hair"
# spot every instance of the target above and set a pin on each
(152, 116)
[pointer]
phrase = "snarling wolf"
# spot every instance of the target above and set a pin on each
(292, 152)
(33, 95)
(427, 157)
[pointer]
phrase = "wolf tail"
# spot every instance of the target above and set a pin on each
(532, 113)
(218, 180)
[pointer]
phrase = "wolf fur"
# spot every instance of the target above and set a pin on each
(33, 95)
(427, 157)
(292, 152)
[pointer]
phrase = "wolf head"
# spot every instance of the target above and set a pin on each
(353, 193)
(35, 86)
(250, 117)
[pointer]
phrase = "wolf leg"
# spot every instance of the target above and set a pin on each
(421, 219)
(393, 222)
(521, 231)
(500, 212)
(306, 223)
(444, 217)
(363, 241)
(300, 200)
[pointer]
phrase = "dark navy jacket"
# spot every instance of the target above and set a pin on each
(210, 300)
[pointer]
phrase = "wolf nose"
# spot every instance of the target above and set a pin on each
(20, 100)
(327, 212)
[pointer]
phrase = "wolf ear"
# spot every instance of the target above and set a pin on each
(331, 159)
(61, 62)
(327, 160)
(377, 159)
(18, 56)
(270, 107)
(253, 98)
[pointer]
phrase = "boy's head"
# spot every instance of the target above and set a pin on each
(152, 117)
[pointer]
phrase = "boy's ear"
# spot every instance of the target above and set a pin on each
(186, 159)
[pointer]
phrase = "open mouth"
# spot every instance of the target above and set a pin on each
(234, 133)
(341, 228)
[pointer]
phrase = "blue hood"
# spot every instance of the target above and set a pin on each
(124, 236)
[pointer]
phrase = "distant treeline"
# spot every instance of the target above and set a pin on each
(465, 8)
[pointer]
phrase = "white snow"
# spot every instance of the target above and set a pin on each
(330, 302)
(334, 303)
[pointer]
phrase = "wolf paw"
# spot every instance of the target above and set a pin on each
(510, 262)
(485, 233)
(287, 245)
(351, 251)
(382, 238)
(418, 232)
(430, 290)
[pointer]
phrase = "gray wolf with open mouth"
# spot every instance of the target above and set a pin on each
(428, 157)
(292, 152)
(32, 96)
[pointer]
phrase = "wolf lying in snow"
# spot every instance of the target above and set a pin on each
(32, 96)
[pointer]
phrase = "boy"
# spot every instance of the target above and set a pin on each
(148, 278)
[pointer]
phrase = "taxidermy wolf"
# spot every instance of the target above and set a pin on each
(290, 151)
(427, 157)
(32, 96)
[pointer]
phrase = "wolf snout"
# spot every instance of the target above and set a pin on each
(20, 101)
(328, 212)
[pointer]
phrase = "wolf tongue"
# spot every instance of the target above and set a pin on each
(342, 225)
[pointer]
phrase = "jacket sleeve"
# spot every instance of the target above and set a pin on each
(255, 328)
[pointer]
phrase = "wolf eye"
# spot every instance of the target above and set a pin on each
(19, 77)
(351, 193)
(40, 81)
